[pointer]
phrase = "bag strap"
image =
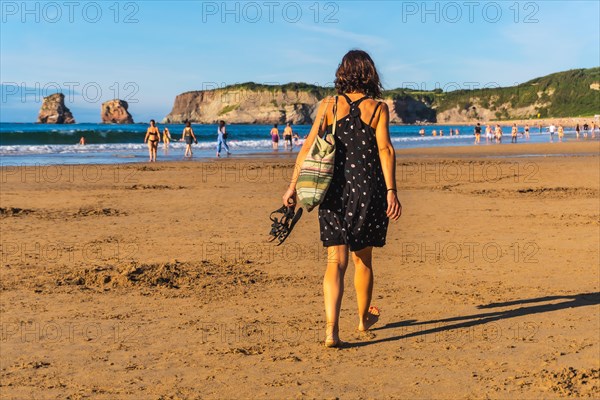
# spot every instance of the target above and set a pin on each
(322, 130)
(334, 117)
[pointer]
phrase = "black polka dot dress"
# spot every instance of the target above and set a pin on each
(354, 209)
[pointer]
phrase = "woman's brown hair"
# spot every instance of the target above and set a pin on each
(357, 74)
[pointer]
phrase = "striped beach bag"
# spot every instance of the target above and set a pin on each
(316, 171)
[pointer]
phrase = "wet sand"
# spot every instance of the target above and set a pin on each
(155, 282)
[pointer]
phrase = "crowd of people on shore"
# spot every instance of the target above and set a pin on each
(153, 138)
(494, 133)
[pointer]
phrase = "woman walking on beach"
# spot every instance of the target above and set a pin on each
(222, 139)
(189, 138)
(275, 137)
(166, 138)
(362, 197)
(152, 138)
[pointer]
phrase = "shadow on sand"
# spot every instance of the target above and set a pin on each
(570, 301)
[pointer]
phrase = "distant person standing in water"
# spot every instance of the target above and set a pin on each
(477, 133)
(585, 130)
(189, 138)
(552, 130)
(513, 133)
(498, 133)
(561, 132)
(152, 138)
(275, 137)
(222, 139)
(577, 130)
(287, 136)
(166, 138)
(526, 131)
(82, 141)
(422, 132)
(434, 132)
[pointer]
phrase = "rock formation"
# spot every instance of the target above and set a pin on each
(115, 112)
(244, 106)
(54, 111)
(268, 106)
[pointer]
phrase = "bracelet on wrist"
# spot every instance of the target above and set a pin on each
(392, 190)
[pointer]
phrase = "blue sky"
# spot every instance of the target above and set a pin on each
(147, 52)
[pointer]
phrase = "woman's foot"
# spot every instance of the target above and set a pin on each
(371, 319)
(331, 342)
(332, 338)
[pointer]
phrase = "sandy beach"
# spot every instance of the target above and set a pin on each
(154, 281)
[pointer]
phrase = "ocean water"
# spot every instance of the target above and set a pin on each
(41, 144)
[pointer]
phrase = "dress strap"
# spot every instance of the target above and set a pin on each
(355, 102)
(374, 112)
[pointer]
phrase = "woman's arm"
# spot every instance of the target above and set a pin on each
(147, 134)
(321, 118)
(387, 156)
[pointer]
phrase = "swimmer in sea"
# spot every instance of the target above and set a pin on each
(287, 136)
(275, 137)
(166, 138)
(189, 138)
(152, 138)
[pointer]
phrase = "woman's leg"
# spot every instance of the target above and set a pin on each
(333, 289)
(363, 284)
(150, 150)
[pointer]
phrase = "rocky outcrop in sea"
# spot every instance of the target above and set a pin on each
(54, 111)
(115, 112)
